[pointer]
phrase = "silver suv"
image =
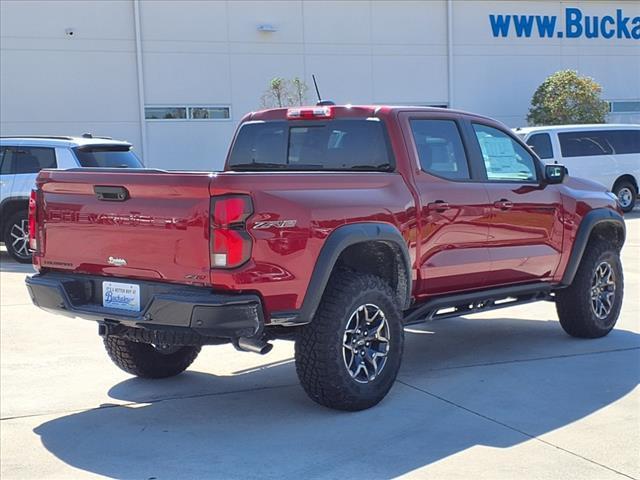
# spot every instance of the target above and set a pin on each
(21, 158)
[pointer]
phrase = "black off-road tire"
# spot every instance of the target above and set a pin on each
(144, 360)
(631, 190)
(573, 304)
(18, 218)
(319, 358)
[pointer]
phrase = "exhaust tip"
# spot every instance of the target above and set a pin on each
(254, 345)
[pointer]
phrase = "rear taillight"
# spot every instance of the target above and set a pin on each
(33, 243)
(309, 113)
(230, 241)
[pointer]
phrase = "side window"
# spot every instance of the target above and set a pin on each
(6, 154)
(440, 148)
(584, 144)
(541, 144)
(33, 159)
(2, 150)
(624, 141)
(504, 158)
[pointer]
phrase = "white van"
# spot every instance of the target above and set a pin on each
(608, 154)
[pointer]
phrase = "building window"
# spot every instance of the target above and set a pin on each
(209, 113)
(624, 106)
(199, 112)
(165, 113)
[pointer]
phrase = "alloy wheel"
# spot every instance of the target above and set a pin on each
(365, 343)
(19, 237)
(603, 289)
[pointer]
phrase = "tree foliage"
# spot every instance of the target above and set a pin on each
(567, 98)
(284, 93)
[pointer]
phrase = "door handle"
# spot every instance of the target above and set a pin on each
(503, 204)
(438, 206)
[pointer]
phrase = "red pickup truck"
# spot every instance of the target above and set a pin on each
(334, 226)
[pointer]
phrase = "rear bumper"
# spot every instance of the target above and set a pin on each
(164, 306)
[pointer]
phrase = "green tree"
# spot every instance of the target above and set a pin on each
(276, 94)
(284, 93)
(567, 98)
(299, 90)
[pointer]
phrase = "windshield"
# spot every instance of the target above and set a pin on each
(357, 144)
(108, 157)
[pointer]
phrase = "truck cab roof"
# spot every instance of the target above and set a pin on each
(350, 111)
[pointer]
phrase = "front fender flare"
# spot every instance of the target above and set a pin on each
(592, 219)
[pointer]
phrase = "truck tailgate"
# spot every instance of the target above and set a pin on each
(158, 231)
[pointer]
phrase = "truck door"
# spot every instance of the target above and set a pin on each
(453, 208)
(525, 232)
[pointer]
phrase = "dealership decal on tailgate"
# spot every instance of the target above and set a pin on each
(124, 296)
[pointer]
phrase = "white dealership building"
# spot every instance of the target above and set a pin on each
(175, 77)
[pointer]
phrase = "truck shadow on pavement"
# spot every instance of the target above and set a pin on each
(464, 382)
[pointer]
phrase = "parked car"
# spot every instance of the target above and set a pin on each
(609, 154)
(21, 158)
(335, 226)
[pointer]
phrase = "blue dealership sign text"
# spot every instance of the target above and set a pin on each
(576, 25)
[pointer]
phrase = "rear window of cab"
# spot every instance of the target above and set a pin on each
(333, 145)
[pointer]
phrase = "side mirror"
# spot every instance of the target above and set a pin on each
(555, 173)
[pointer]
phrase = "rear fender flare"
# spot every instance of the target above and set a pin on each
(341, 238)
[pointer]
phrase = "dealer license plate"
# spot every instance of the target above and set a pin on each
(123, 296)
